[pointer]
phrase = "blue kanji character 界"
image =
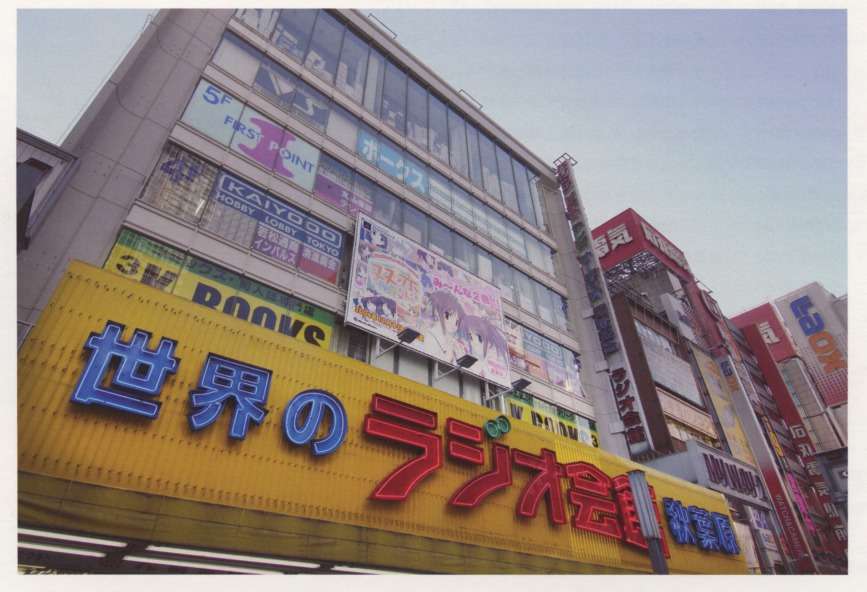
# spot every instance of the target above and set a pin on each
(727, 539)
(705, 531)
(140, 371)
(223, 379)
(678, 522)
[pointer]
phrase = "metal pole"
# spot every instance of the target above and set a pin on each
(647, 520)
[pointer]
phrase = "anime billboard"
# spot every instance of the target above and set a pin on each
(395, 284)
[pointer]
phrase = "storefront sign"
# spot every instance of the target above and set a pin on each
(611, 239)
(248, 420)
(527, 408)
(661, 243)
(396, 283)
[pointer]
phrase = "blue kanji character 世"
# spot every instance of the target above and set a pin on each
(223, 379)
(140, 370)
(727, 539)
(315, 402)
(678, 522)
(704, 529)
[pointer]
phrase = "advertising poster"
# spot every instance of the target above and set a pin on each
(395, 283)
(168, 269)
(529, 409)
(534, 355)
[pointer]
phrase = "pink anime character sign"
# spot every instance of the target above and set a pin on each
(396, 283)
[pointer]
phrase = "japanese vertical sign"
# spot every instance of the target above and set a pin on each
(395, 283)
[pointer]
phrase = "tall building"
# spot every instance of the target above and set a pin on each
(291, 258)
(671, 318)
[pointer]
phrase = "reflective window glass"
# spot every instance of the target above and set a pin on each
(414, 224)
(416, 114)
(503, 279)
(543, 302)
(363, 195)
(534, 254)
(352, 67)
(324, 50)
(490, 178)
(537, 204)
(440, 239)
(180, 184)
(439, 129)
(292, 33)
(311, 106)
(458, 143)
(507, 180)
(373, 84)
(497, 224)
(440, 191)
(368, 145)
(343, 127)
(525, 199)
(415, 175)
(386, 209)
(393, 112)
(259, 19)
(516, 239)
(475, 159)
(390, 159)
(333, 183)
(257, 137)
(213, 112)
(276, 83)
(549, 259)
(558, 304)
(480, 218)
(237, 57)
(484, 265)
(465, 253)
(462, 205)
(526, 293)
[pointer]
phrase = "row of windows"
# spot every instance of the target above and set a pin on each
(334, 53)
(302, 101)
(247, 132)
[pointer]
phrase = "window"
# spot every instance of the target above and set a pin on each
(364, 195)
(292, 33)
(352, 67)
(343, 127)
(415, 175)
(248, 137)
(497, 224)
(373, 85)
(386, 209)
(516, 239)
(333, 183)
(558, 304)
(325, 48)
(525, 199)
(394, 98)
(543, 300)
(237, 57)
(489, 166)
(368, 145)
(526, 293)
(465, 253)
(503, 279)
(480, 217)
(311, 106)
(458, 143)
(416, 114)
(485, 265)
(534, 252)
(390, 159)
(475, 159)
(462, 205)
(414, 224)
(276, 83)
(440, 240)
(439, 130)
(537, 204)
(507, 179)
(260, 19)
(440, 192)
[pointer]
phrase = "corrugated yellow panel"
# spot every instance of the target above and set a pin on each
(164, 456)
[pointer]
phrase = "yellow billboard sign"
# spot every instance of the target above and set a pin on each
(127, 387)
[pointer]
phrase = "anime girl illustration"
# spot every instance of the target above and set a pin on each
(484, 342)
(441, 337)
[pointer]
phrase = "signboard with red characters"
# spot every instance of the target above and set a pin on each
(771, 329)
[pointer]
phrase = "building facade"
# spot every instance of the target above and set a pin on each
(287, 236)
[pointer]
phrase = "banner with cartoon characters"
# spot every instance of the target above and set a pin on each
(395, 283)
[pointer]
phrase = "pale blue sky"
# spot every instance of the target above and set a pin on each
(725, 129)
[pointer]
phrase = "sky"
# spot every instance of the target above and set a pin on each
(726, 130)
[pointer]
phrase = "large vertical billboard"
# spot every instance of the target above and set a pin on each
(396, 283)
(771, 328)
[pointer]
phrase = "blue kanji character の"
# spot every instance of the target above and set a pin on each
(223, 379)
(678, 522)
(727, 539)
(315, 402)
(705, 531)
(140, 371)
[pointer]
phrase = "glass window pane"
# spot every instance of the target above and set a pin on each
(276, 83)
(260, 19)
(352, 66)
(489, 166)
(373, 85)
(526, 294)
(549, 260)
(537, 204)
(292, 33)
(368, 145)
(484, 265)
(480, 217)
(475, 159)
(440, 190)
(343, 127)
(462, 205)
(213, 112)
(465, 253)
(458, 143)
(180, 184)
(439, 129)
(333, 183)
(252, 128)
(557, 305)
(414, 224)
(394, 98)
(416, 114)
(497, 224)
(507, 180)
(415, 175)
(310, 105)
(525, 200)
(516, 239)
(325, 48)
(363, 195)
(390, 160)
(543, 302)
(237, 57)
(503, 279)
(386, 209)
(440, 239)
